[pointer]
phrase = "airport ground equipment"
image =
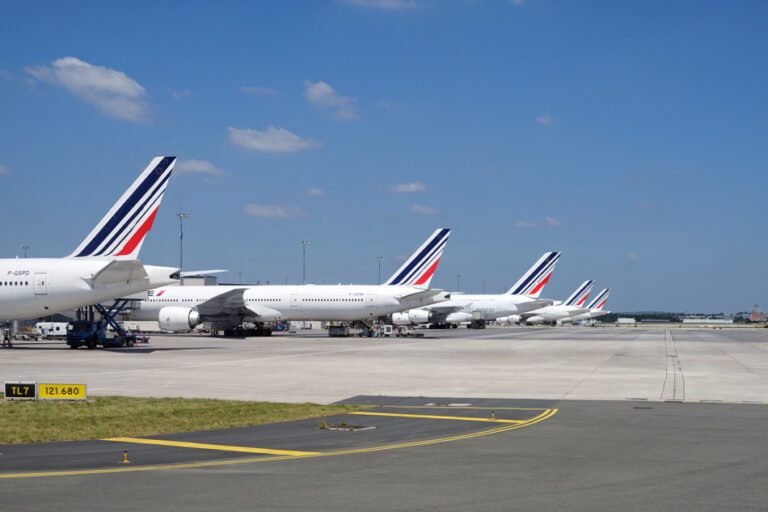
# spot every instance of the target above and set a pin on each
(91, 333)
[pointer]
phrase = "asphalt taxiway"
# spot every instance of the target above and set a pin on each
(582, 456)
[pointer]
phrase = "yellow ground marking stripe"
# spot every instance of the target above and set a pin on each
(204, 446)
(431, 417)
(449, 407)
(548, 413)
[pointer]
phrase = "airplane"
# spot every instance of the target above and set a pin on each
(180, 308)
(595, 308)
(477, 309)
(559, 310)
(104, 266)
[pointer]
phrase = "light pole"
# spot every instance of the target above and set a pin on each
(379, 260)
(24, 248)
(239, 278)
(181, 216)
(483, 286)
(304, 244)
(458, 282)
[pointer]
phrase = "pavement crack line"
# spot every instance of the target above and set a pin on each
(674, 379)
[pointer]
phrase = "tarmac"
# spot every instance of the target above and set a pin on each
(672, 423)
(546, 363)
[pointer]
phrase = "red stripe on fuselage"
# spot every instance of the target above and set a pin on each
(431, 270)
(159, 294)
(138, 236)
(540, 285)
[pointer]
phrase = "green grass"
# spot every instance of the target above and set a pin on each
(115, 416)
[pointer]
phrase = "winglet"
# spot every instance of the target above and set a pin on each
(578, 297)
(420, 267)
(122, 230)
(537, 276)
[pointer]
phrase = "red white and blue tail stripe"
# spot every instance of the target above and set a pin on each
(578, 297)
(600, 300)
(122, 230)
(419, 268)
(537, 276)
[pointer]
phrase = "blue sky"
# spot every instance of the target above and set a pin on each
(629, 135)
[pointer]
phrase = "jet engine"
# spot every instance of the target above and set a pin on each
(414, 316)
(458, 317)
(175, 318)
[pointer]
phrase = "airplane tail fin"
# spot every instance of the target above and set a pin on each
(122, 230)
(419, 268)
(578, 297)
(537, 276)
(599, 301)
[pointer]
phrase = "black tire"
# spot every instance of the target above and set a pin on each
(91, 343)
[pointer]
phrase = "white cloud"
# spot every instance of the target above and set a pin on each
(191, 166)
(545, 120)
(392, 104)
(262, 91)
(274, 211)
(423, 210)
(645, 205)
(404, 188)
(632, 256)
(524, 224)
(180, 95)
(314, 191)
(323, 95)
(274, 140)
(4, 171)
(112, 92)
(551, 221)
(390, 5)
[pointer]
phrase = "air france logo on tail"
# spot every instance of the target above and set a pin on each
(600, 300)
(578, 297)
(419, 268)
(122, 230)
(537, 276)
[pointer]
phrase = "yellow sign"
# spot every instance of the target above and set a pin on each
(62, 391)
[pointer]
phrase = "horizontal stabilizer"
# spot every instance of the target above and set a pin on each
(118, 271)
(191, 273)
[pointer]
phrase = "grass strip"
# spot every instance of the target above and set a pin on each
(116, 416)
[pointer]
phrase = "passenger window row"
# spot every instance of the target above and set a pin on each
(14, 283)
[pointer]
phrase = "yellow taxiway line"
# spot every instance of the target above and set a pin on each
(204, 446)
(430, 417)
(547, 413)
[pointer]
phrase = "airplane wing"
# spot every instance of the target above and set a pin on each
(190, 273)
(423, 294)
(440, 309)
(118, 271)
(230, 301)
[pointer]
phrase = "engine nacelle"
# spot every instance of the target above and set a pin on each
(414, 316)
(458, 317)
(175, 318)
(535, 319)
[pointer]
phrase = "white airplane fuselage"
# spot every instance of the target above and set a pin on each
(273, 303)
(471, 307)
(554, 313)
(35, 287)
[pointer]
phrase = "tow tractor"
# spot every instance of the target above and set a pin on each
(91, 333)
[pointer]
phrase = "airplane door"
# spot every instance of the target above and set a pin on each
(369, 301)
(293, 301)
(40, 283)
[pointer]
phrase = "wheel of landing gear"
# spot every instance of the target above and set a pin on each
(91, 344)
